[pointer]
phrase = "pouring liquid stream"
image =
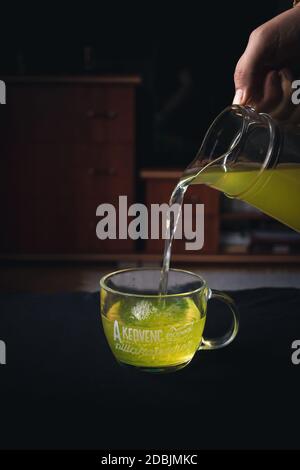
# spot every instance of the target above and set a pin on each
(177, 197)
(190, 176)
(171, 225)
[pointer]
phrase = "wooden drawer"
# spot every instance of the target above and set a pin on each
(50, 194)
(77, 113)
(67, 145)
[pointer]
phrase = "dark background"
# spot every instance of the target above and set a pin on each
(61, 387)
(164, 42)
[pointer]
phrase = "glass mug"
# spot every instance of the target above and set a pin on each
(159, 333)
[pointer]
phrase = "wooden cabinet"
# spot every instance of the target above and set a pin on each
(66, 146)
(158, 186)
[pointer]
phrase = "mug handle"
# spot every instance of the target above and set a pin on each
(217, 343)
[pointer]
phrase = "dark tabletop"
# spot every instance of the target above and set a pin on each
(62, 388)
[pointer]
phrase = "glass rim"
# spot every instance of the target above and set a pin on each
(104, 278)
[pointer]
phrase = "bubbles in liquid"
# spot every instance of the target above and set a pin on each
(143, 310)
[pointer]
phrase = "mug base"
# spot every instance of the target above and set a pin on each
(155, 370)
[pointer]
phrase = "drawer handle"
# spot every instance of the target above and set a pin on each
(91, 114)
(102, 172)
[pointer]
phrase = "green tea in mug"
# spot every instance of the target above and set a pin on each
(154, 333)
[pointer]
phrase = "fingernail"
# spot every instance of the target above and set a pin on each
(238, 97)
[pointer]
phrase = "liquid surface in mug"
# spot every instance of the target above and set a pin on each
(154, 333)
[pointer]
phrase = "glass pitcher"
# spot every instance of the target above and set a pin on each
(251, 157)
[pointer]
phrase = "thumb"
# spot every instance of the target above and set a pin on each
(249, 74)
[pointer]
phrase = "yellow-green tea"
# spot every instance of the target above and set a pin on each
(275, 192)
(153, 333)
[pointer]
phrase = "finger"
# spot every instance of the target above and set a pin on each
(285, 108)
(272, 93)
(251, 70)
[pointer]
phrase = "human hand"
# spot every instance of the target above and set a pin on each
(263, 76)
